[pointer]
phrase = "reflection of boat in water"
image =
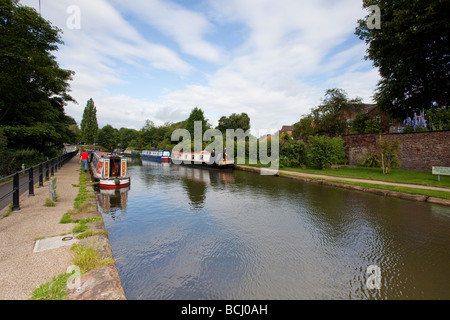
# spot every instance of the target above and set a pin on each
(110, 170)
(156, 155)
(109, 199)
(217, 160)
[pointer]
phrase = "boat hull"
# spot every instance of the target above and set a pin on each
(114, 183)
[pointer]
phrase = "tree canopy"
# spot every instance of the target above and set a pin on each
(329, 118)
(411, 50)
(234, 121)
(34, 89)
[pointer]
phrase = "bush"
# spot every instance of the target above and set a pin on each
(292, 153)
(371, 161)
(12, 160)
(324, 152)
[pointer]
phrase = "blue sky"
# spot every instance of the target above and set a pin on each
(158, 59)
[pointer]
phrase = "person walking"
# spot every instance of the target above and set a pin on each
(84, 156)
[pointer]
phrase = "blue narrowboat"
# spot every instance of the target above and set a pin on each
(156, 155)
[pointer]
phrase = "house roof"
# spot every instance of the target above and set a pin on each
(367, 108)
(287, 128)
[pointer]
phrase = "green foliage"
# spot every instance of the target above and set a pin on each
(324, 151)
(12, 160)
(196, 115)
(438, 119)
(292, 153)
(89, 125)
(373, 126)
(330, 118)
(410, 51)
(234, 121)
(359, 123)
(371, 161)
(34, 88)
(54, 289)
(388, 153)
(108, 137)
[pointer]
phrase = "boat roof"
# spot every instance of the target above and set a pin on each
(101, 154)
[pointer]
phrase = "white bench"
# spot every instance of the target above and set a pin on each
(445, 171)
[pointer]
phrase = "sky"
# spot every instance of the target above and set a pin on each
(158, 59)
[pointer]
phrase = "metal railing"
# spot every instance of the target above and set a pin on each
(25, 179)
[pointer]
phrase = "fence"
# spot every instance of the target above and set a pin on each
(27, 178)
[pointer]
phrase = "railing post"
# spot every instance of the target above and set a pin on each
(51, 168)
(41, 176)
(16, 192)
(56, 164)
(47, 175)
(31, 183)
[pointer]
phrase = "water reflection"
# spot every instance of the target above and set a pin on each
(112, 201)
(259, 237)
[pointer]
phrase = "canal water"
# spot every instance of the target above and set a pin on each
(188, 233)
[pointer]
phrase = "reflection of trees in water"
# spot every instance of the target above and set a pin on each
(196, 182)
(196, 191)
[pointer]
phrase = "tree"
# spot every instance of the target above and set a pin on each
(108, 137)
(89, 125)
(196, 115)
(411, 51)
(234, 121)
(388, 154)
(34, 89)
(330, 118)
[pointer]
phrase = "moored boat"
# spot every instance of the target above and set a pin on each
(110, 170)
(156, 155)
(217, 160)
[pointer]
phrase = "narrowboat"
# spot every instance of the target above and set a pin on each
(156, 155)
(110, 170)
(216, 160)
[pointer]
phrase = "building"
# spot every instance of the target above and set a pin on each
(373, 112)
(286, 129)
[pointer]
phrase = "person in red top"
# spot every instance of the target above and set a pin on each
(84, 156)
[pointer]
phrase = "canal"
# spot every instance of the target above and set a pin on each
(187, 233)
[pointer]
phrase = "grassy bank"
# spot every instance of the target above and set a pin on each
(396, 175)
(357, 172)
(415, 191)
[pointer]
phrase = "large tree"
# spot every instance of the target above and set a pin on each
(196, 115)
(89, 125)
(33, 88)
(411, 50)
(234, 121)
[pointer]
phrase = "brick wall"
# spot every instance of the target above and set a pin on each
(418, 151)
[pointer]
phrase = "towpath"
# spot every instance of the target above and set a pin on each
(22, 269)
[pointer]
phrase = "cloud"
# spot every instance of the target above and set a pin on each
(287, 53)
(186, 27)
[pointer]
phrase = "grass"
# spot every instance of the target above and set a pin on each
(396, 175)
(418, 191)
(86, 258)
(52, 290)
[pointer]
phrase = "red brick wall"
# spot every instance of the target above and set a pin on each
(418, 151)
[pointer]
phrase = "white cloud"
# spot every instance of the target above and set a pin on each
(289, 52)
(187, 28)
